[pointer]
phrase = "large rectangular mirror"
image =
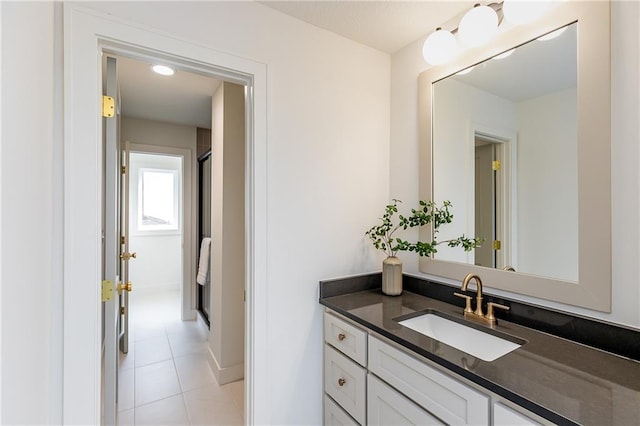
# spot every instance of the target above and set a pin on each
(517, 136)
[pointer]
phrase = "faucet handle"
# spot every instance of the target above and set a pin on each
(467, 308)
(490, 307)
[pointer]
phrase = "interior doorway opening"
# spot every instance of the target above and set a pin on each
(165, 213)
(493, 200)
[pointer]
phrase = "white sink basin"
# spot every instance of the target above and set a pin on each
(467, 339)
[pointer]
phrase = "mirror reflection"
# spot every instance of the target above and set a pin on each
(505, 154)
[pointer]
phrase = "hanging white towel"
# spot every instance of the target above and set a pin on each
(203, 264)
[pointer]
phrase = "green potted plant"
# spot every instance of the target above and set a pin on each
(383, 238)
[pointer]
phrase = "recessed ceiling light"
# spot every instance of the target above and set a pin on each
(163, 70)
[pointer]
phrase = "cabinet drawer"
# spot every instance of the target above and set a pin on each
(334, 415)
(348, 339)
(445, 397)
(386, 406)
(505, 416)
(345, 381)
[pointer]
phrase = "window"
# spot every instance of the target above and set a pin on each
(158, 200)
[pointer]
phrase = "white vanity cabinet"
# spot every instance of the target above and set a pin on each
(370, 381)
(444, 396)
(505, 416)
(386, 406)
(345, 374)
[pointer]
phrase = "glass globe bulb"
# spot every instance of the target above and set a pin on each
(478, 26)
(439, 47)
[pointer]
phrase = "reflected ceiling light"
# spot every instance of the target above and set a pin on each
(478, 26)
(163, 70)
(552, 34)
(505, 54)
(465, 71)
(524, 11)
(439, 47)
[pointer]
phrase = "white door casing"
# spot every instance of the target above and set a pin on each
(85, 34)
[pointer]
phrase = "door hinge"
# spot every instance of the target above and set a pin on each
(108, 106)
(497, 244)
(107, 290)
(244, 295)
(496, 165)
(123, 170)
(122, 311)
(123, 240)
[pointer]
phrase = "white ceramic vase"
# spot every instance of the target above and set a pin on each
(392, 276)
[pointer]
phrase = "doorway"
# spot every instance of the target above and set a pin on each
(83, 158)
(176, 359)
(492, 205)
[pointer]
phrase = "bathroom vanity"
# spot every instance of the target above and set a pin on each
(378, 371)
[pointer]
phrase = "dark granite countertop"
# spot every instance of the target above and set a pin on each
(561, 380)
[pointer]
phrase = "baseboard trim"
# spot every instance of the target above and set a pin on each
(225, 375)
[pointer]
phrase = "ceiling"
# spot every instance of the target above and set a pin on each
(185, 98)
(384, 25)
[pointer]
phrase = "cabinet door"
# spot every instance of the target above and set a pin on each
(505, 416)
(346, 382)
(334, 415)
(438, 392)
(388, 407)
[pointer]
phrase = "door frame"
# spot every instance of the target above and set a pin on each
(86, 34)
(187, 289)
(506, 143)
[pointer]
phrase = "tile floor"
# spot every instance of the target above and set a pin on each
(165, 378)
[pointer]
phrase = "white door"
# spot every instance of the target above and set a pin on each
(485, 196)
(116, 243)
(111, 248)
(125, 255)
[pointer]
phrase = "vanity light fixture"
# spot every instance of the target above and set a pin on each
(439, 47)
(478, 26)
(163, 70)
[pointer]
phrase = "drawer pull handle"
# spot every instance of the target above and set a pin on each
(341, 382)
(341, 336)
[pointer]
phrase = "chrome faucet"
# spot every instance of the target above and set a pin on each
(478, 315)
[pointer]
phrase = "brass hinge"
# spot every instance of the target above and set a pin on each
(123, 170)
(123, 240)
(497, 244)
(121, 310)
(108, 106)
(107, 290)
(496, 165)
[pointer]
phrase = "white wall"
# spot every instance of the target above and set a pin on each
(547, 179)
(328, 141)
(461, 108)
(30, 194)
(227, 330)
(149, 132)
(407, 64)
